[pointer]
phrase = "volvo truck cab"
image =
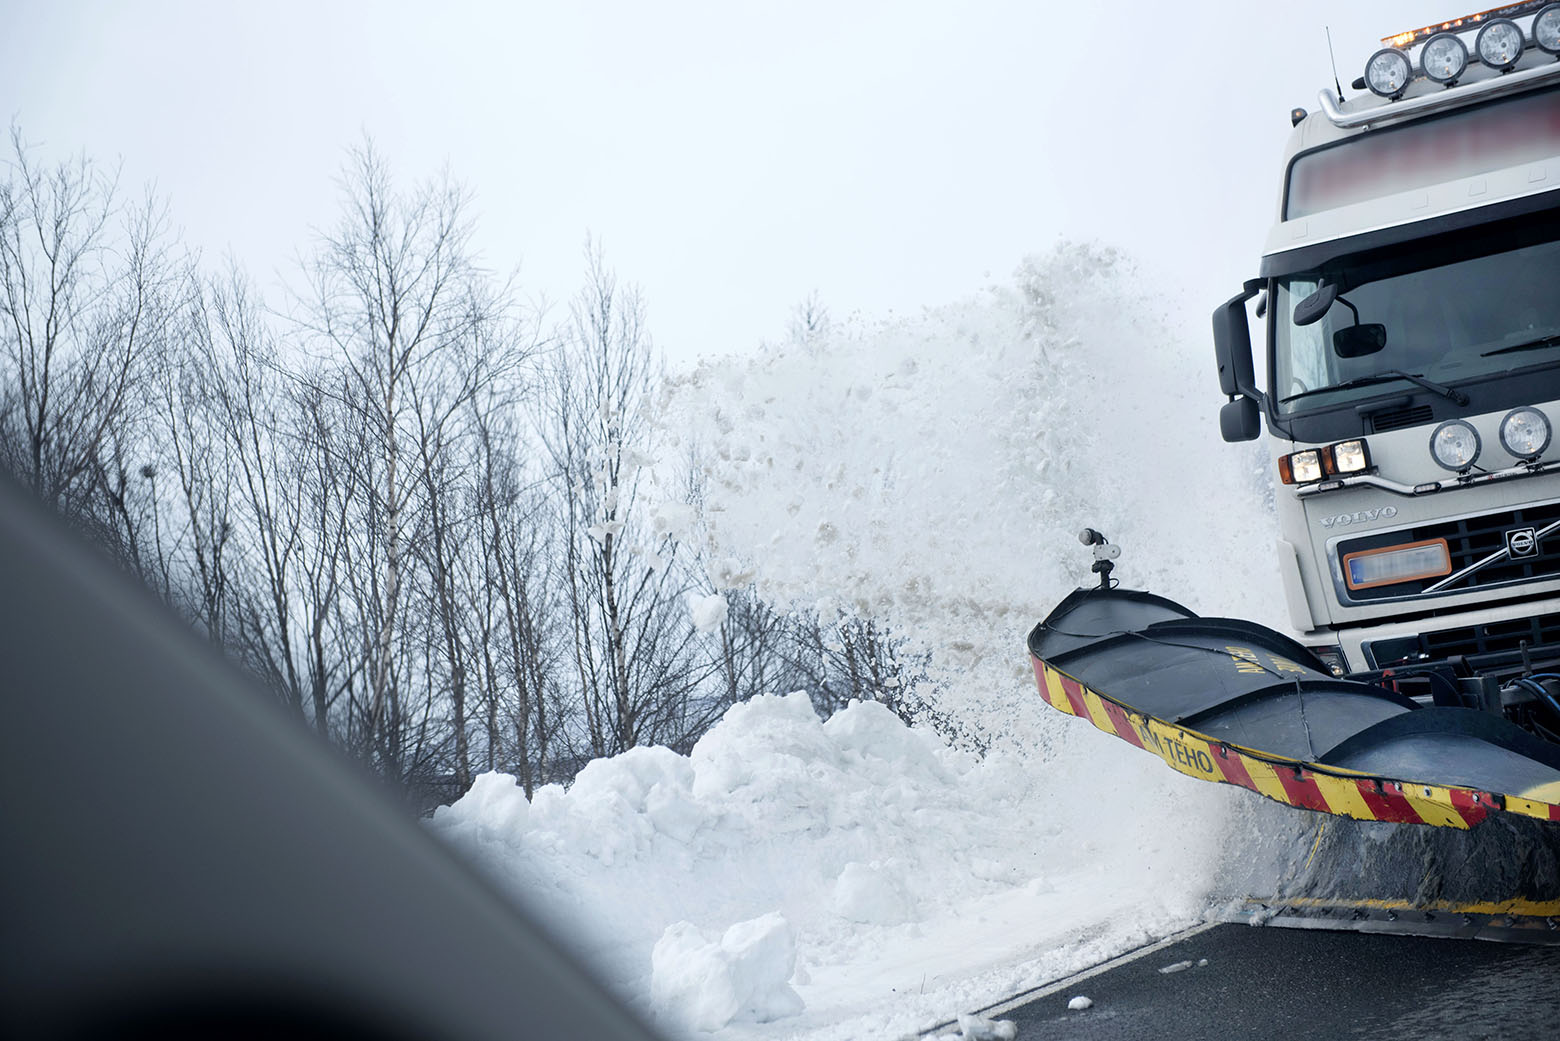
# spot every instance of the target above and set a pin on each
(1410, 298)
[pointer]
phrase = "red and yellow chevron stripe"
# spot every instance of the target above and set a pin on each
(1294, 783)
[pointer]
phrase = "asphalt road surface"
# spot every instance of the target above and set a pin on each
(1244, 983)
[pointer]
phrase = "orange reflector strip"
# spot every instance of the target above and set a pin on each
(1467, 21)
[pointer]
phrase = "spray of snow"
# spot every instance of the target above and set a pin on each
(856, 877)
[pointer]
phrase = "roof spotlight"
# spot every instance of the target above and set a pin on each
(1499, 44)
(1546, 29)
(1445, 57)
(1389, 70)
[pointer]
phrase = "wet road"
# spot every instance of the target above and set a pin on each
(1247, 984)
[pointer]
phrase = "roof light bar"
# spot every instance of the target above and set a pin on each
(1416, 36)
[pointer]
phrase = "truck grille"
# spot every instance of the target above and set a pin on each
(1538, 632)
(1470, 540)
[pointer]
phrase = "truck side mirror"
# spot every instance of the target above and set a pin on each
(1232, 344)
(1239, 420)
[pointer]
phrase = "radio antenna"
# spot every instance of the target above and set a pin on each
(1334, 59)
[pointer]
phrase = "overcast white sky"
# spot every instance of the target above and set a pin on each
(731, 157)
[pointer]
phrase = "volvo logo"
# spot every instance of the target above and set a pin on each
(1522, 542)
(1344, 520)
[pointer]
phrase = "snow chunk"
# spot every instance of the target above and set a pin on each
(1180, 966)
(1080, 1003)
(758, 752)
(870, 896)
(745, 977)
(974, 1028)
(644, 789)
(495, 807)
(708, 612)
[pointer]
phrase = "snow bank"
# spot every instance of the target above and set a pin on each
(834, 878)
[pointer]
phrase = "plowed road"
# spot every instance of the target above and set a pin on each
(1247, 984)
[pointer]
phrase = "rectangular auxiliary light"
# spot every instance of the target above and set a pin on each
(1394, 564)
(1346, 457)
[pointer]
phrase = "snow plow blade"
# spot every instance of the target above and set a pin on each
(1235, 702)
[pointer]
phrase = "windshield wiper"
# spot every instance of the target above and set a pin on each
(1531, 345)
(1456, 396)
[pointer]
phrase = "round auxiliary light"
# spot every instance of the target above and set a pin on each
(1455, 444)
(1388, 72)
(1499, 44)
(1445, 57)
(1525, 432)
(1546, 29)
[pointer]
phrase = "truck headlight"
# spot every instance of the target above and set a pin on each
(1525, 432)
(1499, 43)
(1388, 71)
(1455, 444)
(1445, 57)
(1546, 29)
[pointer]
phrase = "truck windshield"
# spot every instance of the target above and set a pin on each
(1448, 314)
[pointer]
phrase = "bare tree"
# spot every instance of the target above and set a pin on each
(198, 534)
(631, 644)
(85, 294)
(440, 566)
(810, 320)
(412, 329)
(514, 607)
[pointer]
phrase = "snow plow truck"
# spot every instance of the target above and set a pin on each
(1409, 297)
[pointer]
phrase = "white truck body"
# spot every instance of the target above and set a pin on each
(1436, 217)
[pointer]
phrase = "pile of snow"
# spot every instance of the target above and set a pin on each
(842, 878)
(856, 877)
